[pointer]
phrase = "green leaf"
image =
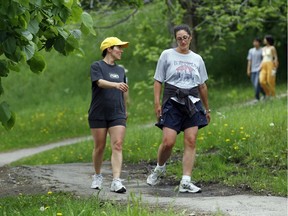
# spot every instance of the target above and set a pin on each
(33, 26)
(22, 22)
(88, 22)
(29, 50)
(59, 45)
(76, 33)
(5, 113)
(1, 88)
(7, 117)
(73, 42)
(13, 66)
(4, 70)
(9, 45)
(63, 32)
(68, 3)
(27, 35)
(57, 3)
(37, 63)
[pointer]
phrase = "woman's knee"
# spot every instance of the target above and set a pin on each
(168, 143)
(190, 141)
(117, 144)
(99, 149)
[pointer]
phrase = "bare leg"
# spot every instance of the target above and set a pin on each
(99, 136)
(117, 134)
(168, 142)
(189, 155)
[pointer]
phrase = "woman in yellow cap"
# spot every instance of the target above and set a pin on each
(107, 113)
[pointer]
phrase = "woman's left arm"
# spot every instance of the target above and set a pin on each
(203, 91)
(275, 57)
(126, 101)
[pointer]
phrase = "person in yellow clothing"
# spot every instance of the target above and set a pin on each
(268, 66)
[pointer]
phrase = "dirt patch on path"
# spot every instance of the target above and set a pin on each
(39, 179)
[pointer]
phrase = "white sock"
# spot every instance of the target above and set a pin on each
(186, 178)
(160, 167)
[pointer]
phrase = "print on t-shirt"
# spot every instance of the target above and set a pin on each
(185, 72)
(114, 76)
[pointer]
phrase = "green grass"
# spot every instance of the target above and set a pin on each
(242, 145)
(58, 204)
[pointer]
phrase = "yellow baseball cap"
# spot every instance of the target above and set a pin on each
(112, 41)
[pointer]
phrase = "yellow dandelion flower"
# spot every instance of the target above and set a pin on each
(247, 135)
(49, 192)
(244, 138)
(59, 214)
(236, 147)
(225, 125)
(201, 138)
(241, 128)
(227, 140)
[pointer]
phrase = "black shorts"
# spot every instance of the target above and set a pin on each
(106, 124)
(173, 117)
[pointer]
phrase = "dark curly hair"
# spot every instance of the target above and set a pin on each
(182, 27)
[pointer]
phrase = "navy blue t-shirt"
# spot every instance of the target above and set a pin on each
(106, 104)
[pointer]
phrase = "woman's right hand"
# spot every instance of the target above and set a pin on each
(158, 110)
(122, 86)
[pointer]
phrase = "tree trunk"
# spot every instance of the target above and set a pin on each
(190, 19)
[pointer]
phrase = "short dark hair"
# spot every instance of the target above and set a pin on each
(182, 27)
(258, 39)
(104, 53)
(269, 39)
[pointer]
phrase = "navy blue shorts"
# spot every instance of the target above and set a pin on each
(174, 118)
(106, 124)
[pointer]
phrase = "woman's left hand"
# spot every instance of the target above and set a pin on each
(208, 117)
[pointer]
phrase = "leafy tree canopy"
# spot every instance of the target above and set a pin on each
(29, 26)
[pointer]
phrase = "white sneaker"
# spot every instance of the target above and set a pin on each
(97, 182)
(117, 186)
(154, 177)
(186, 186)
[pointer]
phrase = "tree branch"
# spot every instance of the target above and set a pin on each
(118, 22)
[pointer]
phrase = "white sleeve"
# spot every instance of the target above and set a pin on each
(249, 57)
(160, 73)
(202, 72)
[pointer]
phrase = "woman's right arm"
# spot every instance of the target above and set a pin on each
(106, 85)
(157, 95)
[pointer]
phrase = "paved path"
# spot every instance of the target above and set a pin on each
(9, 157)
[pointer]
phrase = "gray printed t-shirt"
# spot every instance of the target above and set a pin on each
(106, 104)
(255, 56)
(181, 70)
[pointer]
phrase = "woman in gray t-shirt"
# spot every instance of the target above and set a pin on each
(183, 74)
(107, 113)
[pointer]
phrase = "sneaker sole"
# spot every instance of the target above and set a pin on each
(151, 184)
(96, 188)
(189, 191)
(122, 190)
